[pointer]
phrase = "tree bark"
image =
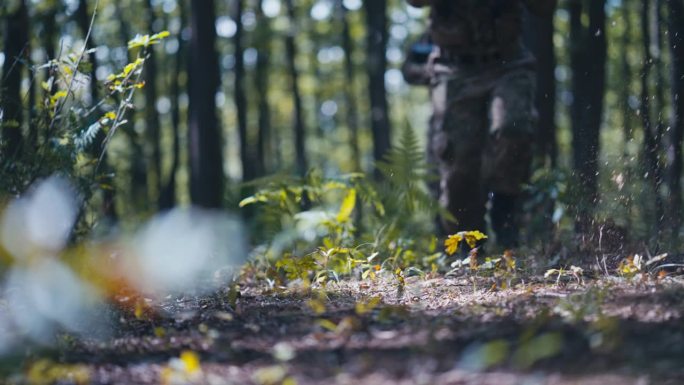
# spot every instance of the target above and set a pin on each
(137, 175)
(167, 198)
(588, 61)
(152, 123)
(651, 139)
(15, 47)
(349, 95)
(248, 170)
(674, 152)
(626, 74)
(205, 139)
(538, 35)
(377, 37)
(301, 163)
(83, 19)
(261, 79)
(546, 90)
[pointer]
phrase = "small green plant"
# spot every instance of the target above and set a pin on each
(314, 228)
(68, 135)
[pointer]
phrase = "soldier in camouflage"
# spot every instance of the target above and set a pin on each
(482, 83)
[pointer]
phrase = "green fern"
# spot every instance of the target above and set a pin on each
(405, 173)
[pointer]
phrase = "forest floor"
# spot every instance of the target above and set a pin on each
(431, 330)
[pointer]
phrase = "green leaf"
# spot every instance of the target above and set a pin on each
(347, 207)
(252, 200)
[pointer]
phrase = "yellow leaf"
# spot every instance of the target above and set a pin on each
(58, 95)
(252, 200)
(452, 242)
(191, 361)
(317, 306)
(472, 237)
(327, 324)
(347, 207)
(362, 308)
(139, 309)
(161, 35)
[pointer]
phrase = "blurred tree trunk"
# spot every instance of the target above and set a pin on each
(15, 50)
(588, 62)
(316, 88)
(246, 158)
(167, 197)
(377, 37)
(48, 41)
(352, 114)
(626, 75)
(651, 139)
(84, 18)
(657, 31)
(301, 162)
(151, 115)
(49, 25)
(624, 89)
(205, 139)
(137, 188)
(539, 37)
(674, 161)
(263, 41)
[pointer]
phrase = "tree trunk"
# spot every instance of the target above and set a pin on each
(546, 90)
(15, 47)
(248, 171)
(588, 61)
(624, 90)
(657, 26)
(626, 76)
(137, 175)
(349, 95)
(376, 24)
(205, 139)
(261, 79)
(674, 161)
(301, 163)
(83, 19)
(151, 116)
(48, 41)
(167, 198)
(651, 139)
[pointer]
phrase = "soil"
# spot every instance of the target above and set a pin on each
(432, 330)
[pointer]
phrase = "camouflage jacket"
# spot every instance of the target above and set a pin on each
(479, 27)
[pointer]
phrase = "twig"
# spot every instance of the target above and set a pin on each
(60, 106)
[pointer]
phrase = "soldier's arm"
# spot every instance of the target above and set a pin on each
(419, 3)
(541, 7)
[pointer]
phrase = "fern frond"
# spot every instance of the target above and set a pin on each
(87, 137)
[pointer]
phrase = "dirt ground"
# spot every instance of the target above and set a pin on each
(431, 331)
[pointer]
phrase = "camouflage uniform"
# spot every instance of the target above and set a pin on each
(483, 88)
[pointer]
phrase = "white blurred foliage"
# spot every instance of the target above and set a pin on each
(47, 295)
(6, 337)
(181, 250)
(39, 222)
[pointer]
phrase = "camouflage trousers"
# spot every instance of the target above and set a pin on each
(480, 140)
